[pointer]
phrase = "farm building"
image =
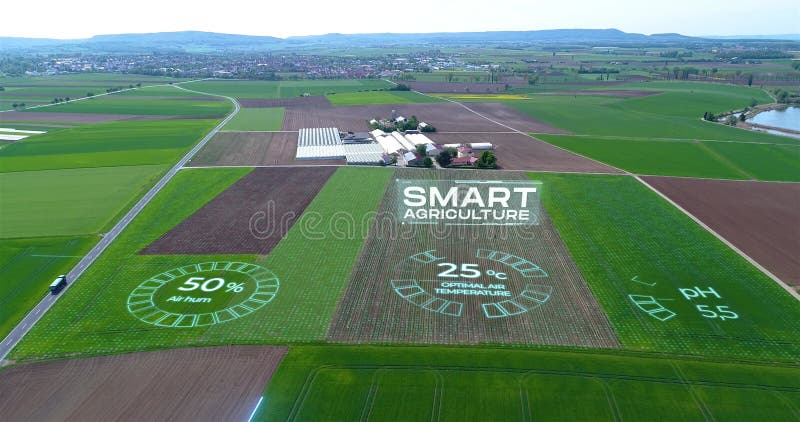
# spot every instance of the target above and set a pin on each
(481, 146)
(464, 151)
(418, 139)
(432, 150)
(363, 154)
(463, 161)
(355, 137)
(328, 144)
(412, 159)
(319, 144)
(389, 144)
(407, 145)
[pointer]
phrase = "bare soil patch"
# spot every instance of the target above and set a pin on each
(760, 218)
(250, 217)
(213, 383)
(392, 296)
(515, 151)
(253, 149)
(446, 117)
(311, 101)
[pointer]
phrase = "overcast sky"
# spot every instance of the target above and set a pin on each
(84, 18)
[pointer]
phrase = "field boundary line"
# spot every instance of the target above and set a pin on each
(720, 179)
(674, 140)
(35, 314)
(741, 253)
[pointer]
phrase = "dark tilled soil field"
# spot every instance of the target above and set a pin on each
(253, 149)
(515, 151)
(214, 383)
(446, 117)
(373, 309)
(312, 101)
(250, 217)
(760, 218)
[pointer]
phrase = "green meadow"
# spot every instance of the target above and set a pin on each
(616, 229)
(110, 144)
(286, 89)
(257, 119)
(70, 201)
(440, 383)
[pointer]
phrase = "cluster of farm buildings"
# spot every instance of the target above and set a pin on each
(379, 147)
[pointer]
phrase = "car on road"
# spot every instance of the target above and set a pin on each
(58, 284)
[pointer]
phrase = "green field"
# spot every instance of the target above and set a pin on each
(70, 201)
(674, 113)
(301, 312)
(725, 160)
(113, 104)
(43, 89)
(28, 266)
(380, 97)
(617, 229)
(106, 144)
(436, 383)
(286, 89)
(257, 119)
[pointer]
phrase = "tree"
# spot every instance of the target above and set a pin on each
(487, 160)
(731, 120)
(750, 80)
(444, 158)
(742, 117)
(753, 102)
(421, 150)
(427, 162)
(394, 160)
(90, 94)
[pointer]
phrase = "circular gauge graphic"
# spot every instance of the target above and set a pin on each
(491, 283)
(203, 294)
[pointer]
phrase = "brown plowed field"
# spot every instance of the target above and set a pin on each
(392, 297)
(214, 384)
(446, 117)
(250, 217)
(514, 118)
(312, 101)
(760, 218)
(516, 151)
(253, 149)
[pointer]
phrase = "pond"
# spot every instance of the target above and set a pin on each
(788, 118)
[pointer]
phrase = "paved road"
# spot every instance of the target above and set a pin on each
(42, 307)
